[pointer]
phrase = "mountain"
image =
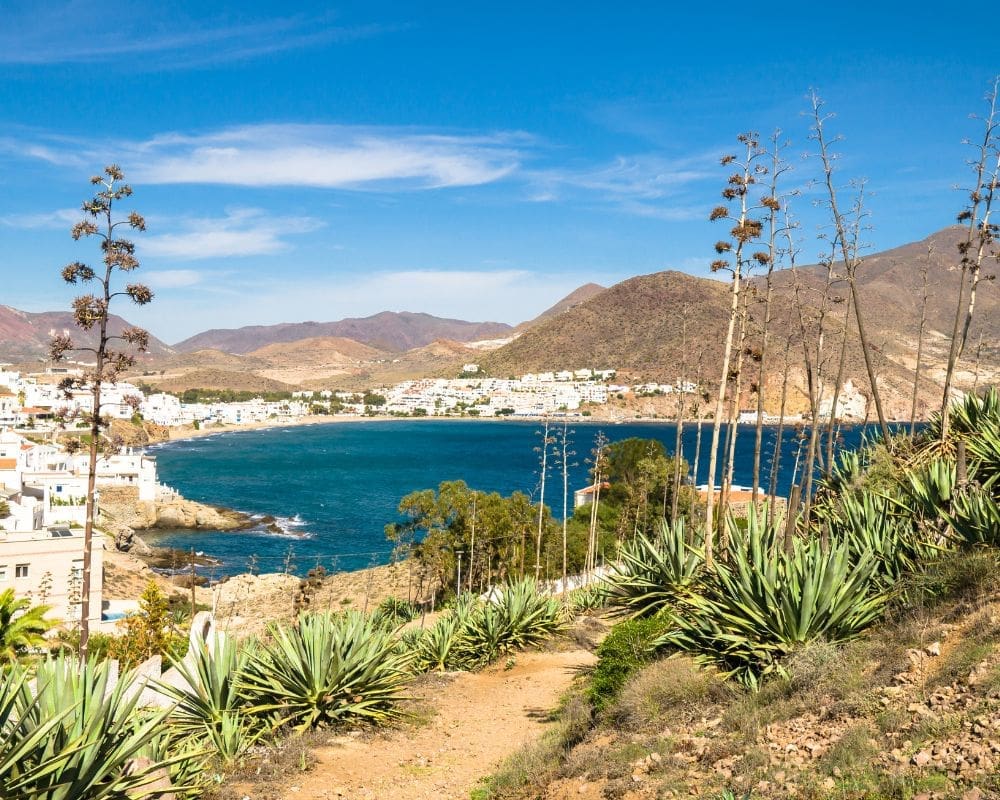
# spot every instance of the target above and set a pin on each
(662, 326)
(634, 327)
(388, 330)
(572, 300)
(25, 336)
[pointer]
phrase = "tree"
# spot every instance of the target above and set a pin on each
(147, 633)
(22, 626)
(92, 311)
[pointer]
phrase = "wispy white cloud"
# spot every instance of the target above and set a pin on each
(172, 278)
(62, 218)
(646, 185)
(641, 177)
(69, 32)
(321, 156)
(242, 232)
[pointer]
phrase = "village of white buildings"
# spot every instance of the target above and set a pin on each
(43, 487)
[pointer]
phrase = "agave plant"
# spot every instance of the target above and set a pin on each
(750, 613)
(531, 616)
(588, 598)
(930, 487)
(393, 612)
(653, 573)
(22, 733)
(80, 738)
(209, 705)
(325, 670)
(440, 646)
(974, 518)
(873, 523)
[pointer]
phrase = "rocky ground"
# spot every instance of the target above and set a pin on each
(911, 711)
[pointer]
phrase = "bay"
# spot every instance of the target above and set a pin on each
(333, 488)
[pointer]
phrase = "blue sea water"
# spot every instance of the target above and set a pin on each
(333, 488)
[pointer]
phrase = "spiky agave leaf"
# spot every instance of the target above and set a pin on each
(870, 522)
(653, 573)
(750, 613)
(974, 518)
(209, 704)
(22, 731)
(87, 755)
(326, 670)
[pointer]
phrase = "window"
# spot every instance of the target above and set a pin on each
(21, 571)
(3, 572)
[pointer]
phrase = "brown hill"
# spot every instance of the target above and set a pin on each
(25, 335)
(572, 300)
(318, 350)
(441, 358)
(218, 379)
(388, 330)
(637, 326)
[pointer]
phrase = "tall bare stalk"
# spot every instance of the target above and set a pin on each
(920, 337)
(980, 236)
(544, 461)
(851, 260)
(773, 205)
(93, 311)
(743, 233)
(679, 433)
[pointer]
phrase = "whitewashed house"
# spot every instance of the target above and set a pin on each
(46, 566)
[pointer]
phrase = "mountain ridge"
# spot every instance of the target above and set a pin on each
(395, 331)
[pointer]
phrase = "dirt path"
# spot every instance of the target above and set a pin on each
(478, 720)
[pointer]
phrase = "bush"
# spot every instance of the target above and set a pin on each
(394, 612)
(629, 646)
(653, 573)
(670, 687)
(747, 616)
(325, 670)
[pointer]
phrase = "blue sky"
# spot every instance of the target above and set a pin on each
(469, 160)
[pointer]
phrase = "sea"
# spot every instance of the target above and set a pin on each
(330, 489)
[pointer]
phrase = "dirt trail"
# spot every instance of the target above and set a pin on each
(479, 719)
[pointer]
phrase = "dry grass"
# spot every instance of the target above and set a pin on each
(669, 691)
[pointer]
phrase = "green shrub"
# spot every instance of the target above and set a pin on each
(394, 612)
(749, 614)
(629, 646)
(518, 617)
(76, 737)
(325, 670)
(210, 708)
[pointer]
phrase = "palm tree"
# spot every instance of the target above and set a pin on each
(21, 626)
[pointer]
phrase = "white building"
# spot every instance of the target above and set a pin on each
(46, 566)
(161, 409)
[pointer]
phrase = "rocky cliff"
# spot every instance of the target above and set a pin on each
(121, 506)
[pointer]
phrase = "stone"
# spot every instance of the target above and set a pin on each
(933, 649)
(921, 759)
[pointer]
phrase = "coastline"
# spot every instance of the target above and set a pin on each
(188, 434)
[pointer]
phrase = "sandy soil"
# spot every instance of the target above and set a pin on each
(479, 719)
